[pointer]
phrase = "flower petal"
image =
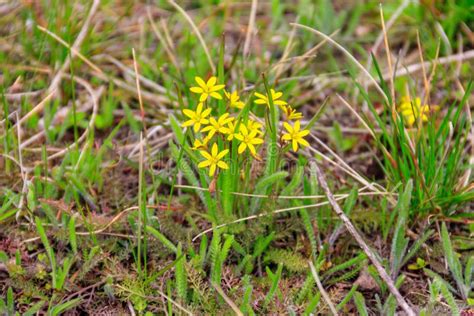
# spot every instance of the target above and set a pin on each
(239, 104)
(303, 142)
(201, 83)
(297, 126)
(206, 112)
(260, 96)
(243, 130)
(217, 87)
(207, 128)
(196, 89)
(224, 130)
(279, 102)
(199, 109)
(211, 133)
(222, 154)
(197, 126)
(189, 113)
(252, 149)
(205, 154)
(215, 150)
(203, 97)
(295, 145)
(253, 133)
(187, 123)
(288, 127)
(242, 147)
(204, 164)
(256, 141)
(222, 165)
(276, 95)
(212, 169)
(216, 95)
(303, 133)
(211, 82)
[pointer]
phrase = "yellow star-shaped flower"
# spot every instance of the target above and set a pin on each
(219, 125)
(253, 125)
(263, 99)
(196, 118)
(248, 139)
(233, 130)
(206, 89)
(234, 99)
(200, 144)
(291, 113)
(213, 159)
(295, 135)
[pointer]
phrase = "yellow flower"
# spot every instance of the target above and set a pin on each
(232, 130)
(206, 89)
(197, 117)
(219, 125)
(413, 110)
(254, 126)
(263, 99)
(200, 144)
(234, 99)
(295, 135)
(213, 159)
(291, 113)
(248, 140)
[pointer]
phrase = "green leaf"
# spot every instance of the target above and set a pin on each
(317, 116)
(165, 241)
(347, 298)
(72, 234)
(180, 274)
(313, 303)
(3, 256)
(177, 129)
(359, 302)
(10, 302)
(275, 279)
(453, 261)
(262, 187)
(416, 246)
(219, 259)
(448, 296)
(245, 306)
(399, 241)
(47, 246)
(61, 308)
(34, 309)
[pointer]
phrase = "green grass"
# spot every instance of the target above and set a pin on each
(114, 223)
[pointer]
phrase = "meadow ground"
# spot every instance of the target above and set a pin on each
(221, 157)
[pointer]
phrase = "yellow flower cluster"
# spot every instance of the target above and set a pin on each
(412, 110)
(249, 133)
